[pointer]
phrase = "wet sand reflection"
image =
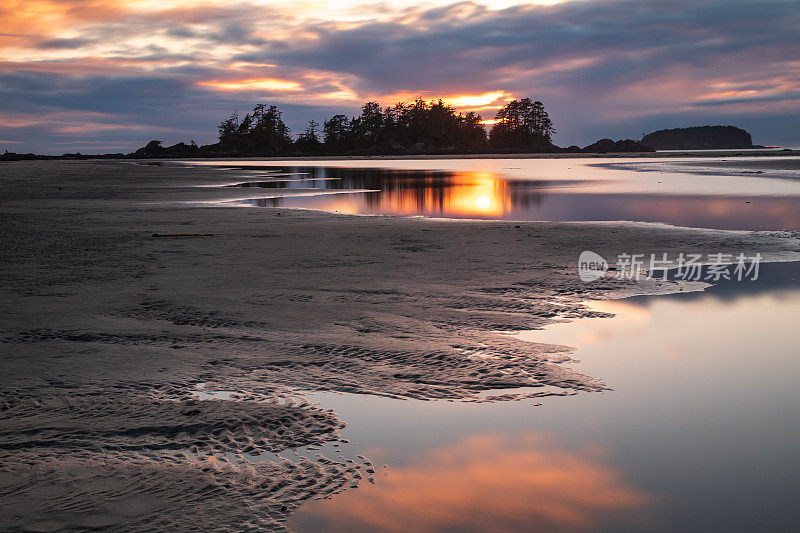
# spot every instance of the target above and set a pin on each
(488, 483)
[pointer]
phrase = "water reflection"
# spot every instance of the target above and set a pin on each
(703, 415)
(432, 193)
(492, 195)
(526, 482)
(700, 433)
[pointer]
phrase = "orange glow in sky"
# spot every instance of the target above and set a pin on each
(476, 100)
(264, 84)
(489, 101)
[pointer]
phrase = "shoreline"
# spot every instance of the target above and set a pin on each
(715, 153)
(566, 155)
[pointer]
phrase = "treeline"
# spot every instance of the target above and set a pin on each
(419, 127)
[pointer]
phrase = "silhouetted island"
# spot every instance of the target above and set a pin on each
(699, 138)
(607, 145)
(419, 127)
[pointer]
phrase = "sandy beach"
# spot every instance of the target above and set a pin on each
(108, 332)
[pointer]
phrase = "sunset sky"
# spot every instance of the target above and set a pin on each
(109, 75)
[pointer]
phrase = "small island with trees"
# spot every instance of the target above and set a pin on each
(699, 138)
(419, 127)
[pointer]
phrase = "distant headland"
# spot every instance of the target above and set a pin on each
(700, 138)
(416, 128)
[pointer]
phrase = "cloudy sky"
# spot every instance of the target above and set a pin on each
(109, 75)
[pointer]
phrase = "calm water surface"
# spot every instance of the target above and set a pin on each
(655, 190)
(700, 433)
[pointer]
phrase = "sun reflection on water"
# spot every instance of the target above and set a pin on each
(566, 196)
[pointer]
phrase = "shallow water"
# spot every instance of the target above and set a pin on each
(683, 192)
(701, 431)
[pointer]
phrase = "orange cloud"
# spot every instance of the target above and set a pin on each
(476, 100)
(261, 84)
(463, 102)
(48, 17)
(90, 127)
(490, 483)
(314, 87)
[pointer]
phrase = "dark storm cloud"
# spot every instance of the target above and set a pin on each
(641, 36)
(28, 90)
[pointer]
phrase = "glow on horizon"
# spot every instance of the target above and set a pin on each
(478, 100)
(484, 102)
(266, 84)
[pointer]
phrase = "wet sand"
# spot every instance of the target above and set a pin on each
(764, 164)
(107, 331)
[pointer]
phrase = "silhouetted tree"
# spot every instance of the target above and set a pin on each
(268, 135)
(229, 131)
(244, 129)
(308, 141)
(419, 126)
(471, 134)
(522, 124)
(261, 132)
(368, 128)
(336, 133)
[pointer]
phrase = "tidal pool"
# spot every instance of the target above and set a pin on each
(684, 192)
(701, 431)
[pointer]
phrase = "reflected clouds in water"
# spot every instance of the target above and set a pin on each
(529, 482)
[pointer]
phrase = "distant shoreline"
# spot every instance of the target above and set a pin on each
(716, 153)
(654, 155)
